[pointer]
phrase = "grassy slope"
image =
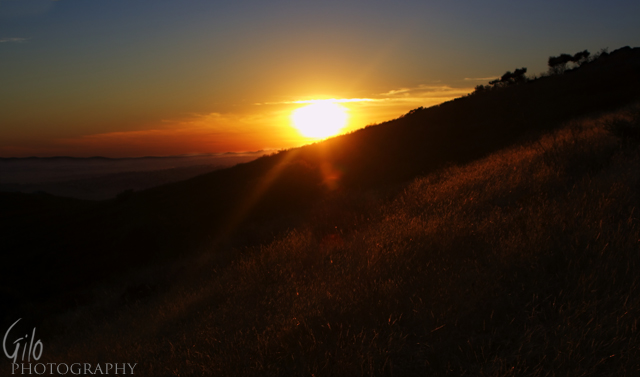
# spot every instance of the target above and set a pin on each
(76, 247)
(523, 263)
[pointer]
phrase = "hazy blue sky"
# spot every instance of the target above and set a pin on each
(140, 77)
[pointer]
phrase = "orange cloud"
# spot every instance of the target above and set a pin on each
(198, 133)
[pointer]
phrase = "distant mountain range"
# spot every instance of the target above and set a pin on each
(198, 155)
(98, 178)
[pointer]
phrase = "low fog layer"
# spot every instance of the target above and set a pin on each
(103, 178)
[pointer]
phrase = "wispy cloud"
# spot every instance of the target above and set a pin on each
(394, 92)
(481, 78)
(335, 100)
(331, 100)
(13, 40)
(424, 93)
(154, 142)
(430, 94)
(192, 133)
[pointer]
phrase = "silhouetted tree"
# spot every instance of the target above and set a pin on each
(602, 53)
(514, 78)
(480, 89)
(558, 64)
(509, 78)
(581, 57)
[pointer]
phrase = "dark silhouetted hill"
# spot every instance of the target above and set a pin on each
(69, 245)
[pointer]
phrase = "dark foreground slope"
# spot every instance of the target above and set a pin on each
(524, 263)
(68, 246)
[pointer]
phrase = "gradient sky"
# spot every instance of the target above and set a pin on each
(158, 77)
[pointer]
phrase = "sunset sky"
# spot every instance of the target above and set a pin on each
(158, 77)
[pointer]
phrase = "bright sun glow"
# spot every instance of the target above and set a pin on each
(320, 119)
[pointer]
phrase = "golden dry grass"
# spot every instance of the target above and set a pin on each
(525, 263)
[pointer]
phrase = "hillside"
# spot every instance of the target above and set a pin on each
(251, 202)
(522, 263)
(445, 241)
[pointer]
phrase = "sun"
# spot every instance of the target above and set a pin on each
(320, 120)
